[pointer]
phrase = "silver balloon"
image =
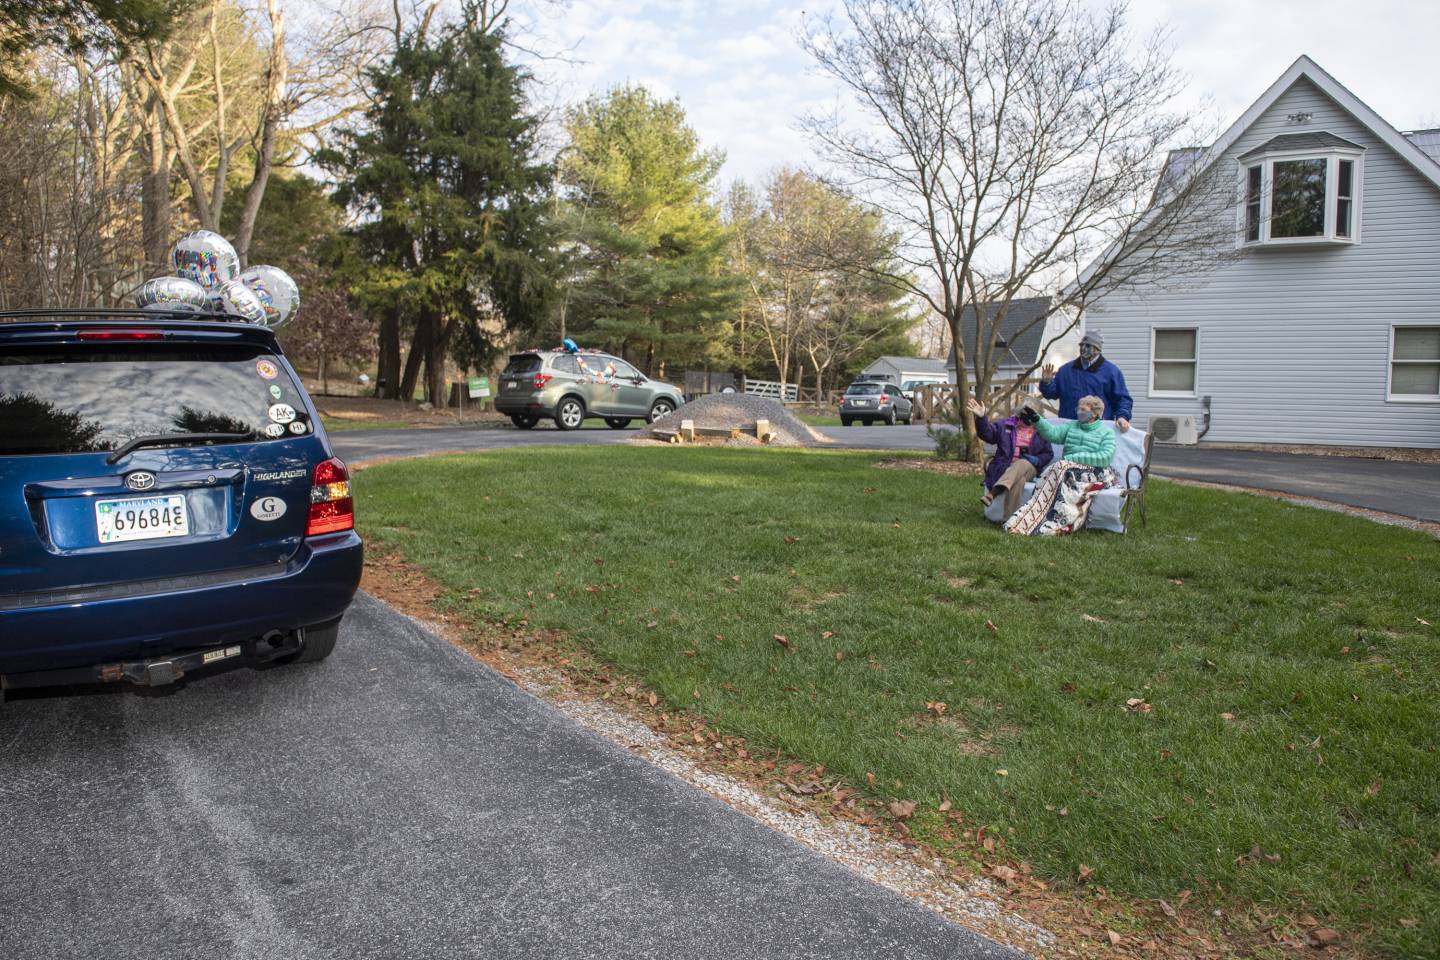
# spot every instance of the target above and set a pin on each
(238, 302)
(278, 294)
(172, 294)
(205, 257)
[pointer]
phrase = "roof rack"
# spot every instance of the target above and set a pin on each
(127, 312)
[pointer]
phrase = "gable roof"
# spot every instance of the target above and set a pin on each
(914, 364)
(1024, 344)
(1316, 140)
(1306, 69)
(1425, 163)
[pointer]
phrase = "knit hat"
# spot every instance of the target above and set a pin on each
(1095, 338)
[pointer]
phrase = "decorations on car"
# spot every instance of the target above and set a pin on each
(208, 280)
(172, 294)
(278, 294)
(206, 258)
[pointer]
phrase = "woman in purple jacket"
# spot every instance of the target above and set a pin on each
(1020, 453)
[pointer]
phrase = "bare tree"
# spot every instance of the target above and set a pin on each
(254, 94)
(1016, 145)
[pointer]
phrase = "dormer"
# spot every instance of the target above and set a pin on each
(1301, 188)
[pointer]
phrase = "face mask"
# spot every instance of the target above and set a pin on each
(1029, 417)
(1088, 354)
(1084, 416)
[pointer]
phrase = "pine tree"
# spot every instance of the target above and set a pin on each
(647, 249)
(450, 193)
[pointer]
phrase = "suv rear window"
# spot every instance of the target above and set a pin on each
(521, 364)
(864, 389)
(98, 397)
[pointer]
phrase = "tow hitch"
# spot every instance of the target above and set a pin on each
(165, 671)
(162, 671)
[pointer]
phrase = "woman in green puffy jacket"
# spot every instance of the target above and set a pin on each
(1061, 502)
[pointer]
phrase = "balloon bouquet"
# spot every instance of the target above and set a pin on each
(208, 280)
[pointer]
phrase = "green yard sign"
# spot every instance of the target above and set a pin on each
(479, 387)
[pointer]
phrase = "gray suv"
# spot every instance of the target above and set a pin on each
(870, 401)
(570, 387)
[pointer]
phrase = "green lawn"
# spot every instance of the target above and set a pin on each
(340, 425)
(1291, 693)
(820, 419)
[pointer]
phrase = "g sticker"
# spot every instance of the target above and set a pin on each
(268, 508)
(275, 391)
(267, 369)
(297, 427)
(274, 430)
(282, 412)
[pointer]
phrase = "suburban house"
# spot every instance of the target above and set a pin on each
(903, 370)
(1022, 335)
(1325, 327)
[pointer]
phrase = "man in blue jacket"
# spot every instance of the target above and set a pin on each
(1090, 375)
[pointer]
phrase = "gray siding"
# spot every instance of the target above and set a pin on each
(1294, 343)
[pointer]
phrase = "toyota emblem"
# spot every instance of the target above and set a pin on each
(140, 480)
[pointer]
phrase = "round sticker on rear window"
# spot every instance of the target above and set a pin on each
(297, 427)
(267, 369)
(282, 412)
(273, 430)
(268, 508)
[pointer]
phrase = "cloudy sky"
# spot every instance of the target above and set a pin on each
(743, 80)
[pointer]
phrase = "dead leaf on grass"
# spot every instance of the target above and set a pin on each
(1374, 788)
(1138, 705)
(944, 804)
(990, 625)
(789, 540)
(870, 778)
(781, 639)
(1113, 937)
(1168, 910)
(902, 809)
(1324, 937)
(1227, 716)
(1422, 621)
(1002, 773)
(1086, 872)
(1007, 875)
(827, 634)
(1089, 619)
(936, 707)
(653, 698)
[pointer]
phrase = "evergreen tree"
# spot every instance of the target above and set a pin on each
(647, 249)
(450, 193)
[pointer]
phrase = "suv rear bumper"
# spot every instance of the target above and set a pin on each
(314, 586)
(524, 405)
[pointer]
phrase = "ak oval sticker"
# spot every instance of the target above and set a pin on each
(282, 412)
(268, 508)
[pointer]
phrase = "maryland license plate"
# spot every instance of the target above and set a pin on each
(141, 518)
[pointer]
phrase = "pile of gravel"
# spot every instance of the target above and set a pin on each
(739, 411)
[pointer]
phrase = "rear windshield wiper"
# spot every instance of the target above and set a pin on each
(173, 439)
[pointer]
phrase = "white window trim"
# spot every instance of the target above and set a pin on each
(1332, 157)
(1390, 395)
(1173, 394)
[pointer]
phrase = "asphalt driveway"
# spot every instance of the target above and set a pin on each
(1407, 489)
(399, 800)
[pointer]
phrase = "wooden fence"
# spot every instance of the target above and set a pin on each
(940, 401)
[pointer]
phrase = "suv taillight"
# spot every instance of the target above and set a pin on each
(331, 507)
(541, 379)
(884, 399)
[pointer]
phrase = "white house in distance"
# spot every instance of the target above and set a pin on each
(1022, 336)
(903, 370)
(1326, 328)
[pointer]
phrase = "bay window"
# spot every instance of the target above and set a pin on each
(1301, 188)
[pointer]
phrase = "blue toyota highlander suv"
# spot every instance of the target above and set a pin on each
(168, 500)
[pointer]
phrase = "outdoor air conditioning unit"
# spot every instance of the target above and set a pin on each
(1174, 430)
